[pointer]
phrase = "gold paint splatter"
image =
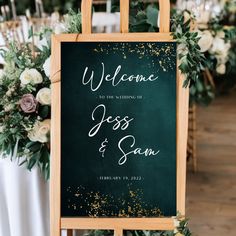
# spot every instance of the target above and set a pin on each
(95, 204)
(164, 51)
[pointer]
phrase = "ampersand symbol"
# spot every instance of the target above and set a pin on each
(102, 149)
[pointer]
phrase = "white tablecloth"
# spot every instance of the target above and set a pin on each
(24, 204)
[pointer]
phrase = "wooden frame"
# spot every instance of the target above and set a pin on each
(117, 224)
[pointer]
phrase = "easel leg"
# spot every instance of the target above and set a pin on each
(118, 232)
(69, 232)
(194, 139)
(191, 152)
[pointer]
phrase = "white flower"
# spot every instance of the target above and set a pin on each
(40, 131)
(59, 28)
(30, 76)
(221, 69)
(46, 67)
(205, 41)
(219, 46)
(42, 43)
(44, 96)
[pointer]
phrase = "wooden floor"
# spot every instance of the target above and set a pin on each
(211, 192)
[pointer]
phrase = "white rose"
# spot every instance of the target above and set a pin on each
(44, 96)
(30, 76)
(205, 41)
(40, 131)
(46, 67)
(221, 69)
(219, 46)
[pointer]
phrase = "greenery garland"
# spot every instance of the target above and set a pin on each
(192, 62)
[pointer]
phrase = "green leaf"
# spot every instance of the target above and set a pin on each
(33, 160)
(44, 111)
(23, 162)
(34, 146)
(152, 14)
(30, 32)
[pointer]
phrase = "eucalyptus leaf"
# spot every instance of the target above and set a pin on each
(152, 15)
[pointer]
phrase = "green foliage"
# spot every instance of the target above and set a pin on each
(15, 123)
(73, 22)
(201, 93)
(192, 61)
(215, 25)
(142, 19)
(219, 28)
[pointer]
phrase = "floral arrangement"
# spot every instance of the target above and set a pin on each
(215, 42)
(25, 105)
(192, 61)
(26, 96)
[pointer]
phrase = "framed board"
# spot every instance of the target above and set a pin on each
(118, 158)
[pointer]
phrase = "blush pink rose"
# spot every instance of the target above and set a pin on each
(28, 103)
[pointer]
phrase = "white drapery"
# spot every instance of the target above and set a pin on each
(24, 201)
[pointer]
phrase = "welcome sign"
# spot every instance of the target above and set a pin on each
(118, 129)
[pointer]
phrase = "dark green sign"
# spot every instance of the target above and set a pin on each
(118, 140)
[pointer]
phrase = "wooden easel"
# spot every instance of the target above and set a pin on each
(117, 224)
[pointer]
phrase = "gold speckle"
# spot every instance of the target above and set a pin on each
(95, 204)
(152, 50)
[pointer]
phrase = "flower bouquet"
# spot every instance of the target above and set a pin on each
(25, 105)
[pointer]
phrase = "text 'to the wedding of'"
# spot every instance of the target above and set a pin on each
(119, 128)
